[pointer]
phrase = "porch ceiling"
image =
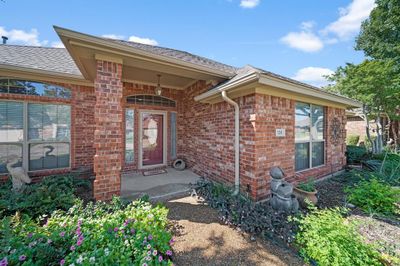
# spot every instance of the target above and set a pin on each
(138, 66)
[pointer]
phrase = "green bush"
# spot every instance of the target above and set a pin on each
(52, 193)
(327, 238)
(374, 196)
(356, 154)
(98, 234)
(308, 186)
(353, 140)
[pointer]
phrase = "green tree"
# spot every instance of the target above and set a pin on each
(376, 81)
(379, 37)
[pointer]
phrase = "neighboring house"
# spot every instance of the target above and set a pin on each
(97, 105)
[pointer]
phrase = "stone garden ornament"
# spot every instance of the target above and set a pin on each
(19, 176)
(282, 198)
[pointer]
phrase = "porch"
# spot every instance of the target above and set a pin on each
(160, 186)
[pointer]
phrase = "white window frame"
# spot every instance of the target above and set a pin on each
(311, 140)
(133, 136)
(26, 142)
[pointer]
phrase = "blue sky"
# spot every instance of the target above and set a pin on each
(299, 39)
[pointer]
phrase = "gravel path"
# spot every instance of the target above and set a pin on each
(202, 240)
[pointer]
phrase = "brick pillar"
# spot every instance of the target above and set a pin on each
(108, 130)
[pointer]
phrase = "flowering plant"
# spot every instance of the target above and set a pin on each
(97, 234)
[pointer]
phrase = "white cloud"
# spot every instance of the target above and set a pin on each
(57, 44)
(350, 18)
(143, 40)
(23, 37)
(113, 36)
(313, 75)
(305, 41)
(249, 3)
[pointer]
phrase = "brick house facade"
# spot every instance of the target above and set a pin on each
(204, 121)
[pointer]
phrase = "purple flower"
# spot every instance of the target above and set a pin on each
(30, 235)
(132, 231)
(78, 231)
(116, 229)
(62, 262)
(79, 222)
(22, 258)
(72, 248)
(49, 241)
(160, 258)
(79, 242)
(4, 262)
(169, 253)
(144, 264)
(171, 241)
(150, 237)
(62, 234)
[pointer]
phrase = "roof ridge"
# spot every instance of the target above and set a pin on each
(31, 46)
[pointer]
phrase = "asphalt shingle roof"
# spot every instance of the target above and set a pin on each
(42, 58)
(177, 54)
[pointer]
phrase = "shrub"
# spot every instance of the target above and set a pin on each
(241, 212)
(101, 234)
(53, 192)
(374, 196)
(308, 186)
(327, 238)
(356, 154)
(353, 139)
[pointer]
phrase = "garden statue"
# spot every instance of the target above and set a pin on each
(282, 198)
(19, 176)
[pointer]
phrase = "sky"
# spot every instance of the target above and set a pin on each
(304, 40)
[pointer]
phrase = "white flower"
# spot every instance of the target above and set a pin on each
(92, 259)
(106, 251)
(150, 216)
(126, 242)
(79, 260)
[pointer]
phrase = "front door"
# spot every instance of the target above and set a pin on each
(152, 138)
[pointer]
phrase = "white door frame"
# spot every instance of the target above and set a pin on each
(165, 130)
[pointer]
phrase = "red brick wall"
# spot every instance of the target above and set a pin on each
(108, 134)
(206, 139)
(82, 125)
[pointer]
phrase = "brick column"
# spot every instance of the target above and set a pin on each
(108, 130)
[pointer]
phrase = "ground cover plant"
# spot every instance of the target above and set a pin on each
(326, 237)
(96, 234)
(52, 193)
(308, 186)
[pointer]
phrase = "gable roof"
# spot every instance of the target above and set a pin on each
(56, 60)
(249, 74)
(178, 54)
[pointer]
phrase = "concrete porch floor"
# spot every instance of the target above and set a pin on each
(158, 187)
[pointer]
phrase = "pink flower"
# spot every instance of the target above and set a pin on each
(132, 231)
(150, 237)
(154, 252)
(22, 258)
(169, 253)
(79, 222)
(160, 258)
(116, 229)
(79, 243)
(62, 262)
(144, 264)
(62, 234)
(4, 262)
(171, 241)
(72, 248)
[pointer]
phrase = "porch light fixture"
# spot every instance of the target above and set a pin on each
(158, 89)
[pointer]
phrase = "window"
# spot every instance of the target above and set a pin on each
(309, 136)
(129, 122)
(36, 136)
(150, 100)
(11, 133)
(173, 135)
(48, 136)
(25, 87)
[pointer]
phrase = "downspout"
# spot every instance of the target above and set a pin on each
(237, 136)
